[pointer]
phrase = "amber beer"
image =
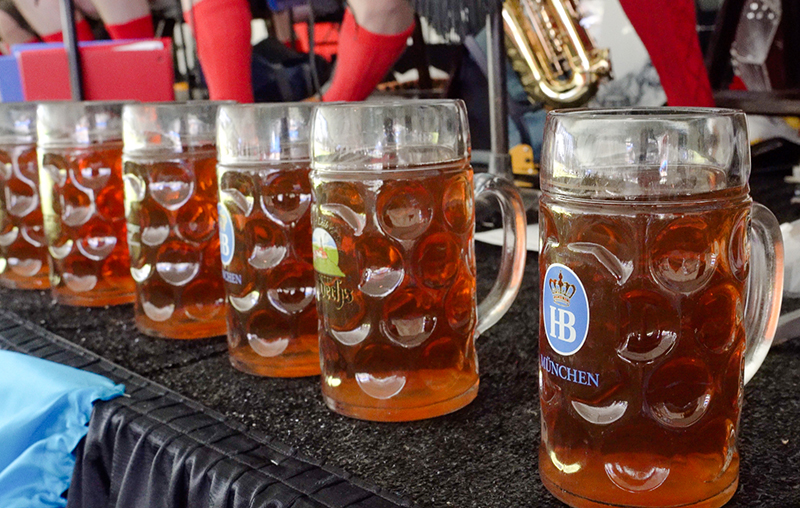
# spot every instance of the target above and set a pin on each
(23, 252)
(82, 204)
(272, 316)
(171, 208)
(652, 314)
(647, 412)
(396, 288)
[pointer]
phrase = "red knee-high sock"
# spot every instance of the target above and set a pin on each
(141, 28)
(222, 33)
(668, 30)
(82, 30)
(363, 60)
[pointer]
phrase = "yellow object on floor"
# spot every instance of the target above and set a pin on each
(522, 165)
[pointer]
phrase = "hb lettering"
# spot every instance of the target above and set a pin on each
(224, 245)
(563, 326)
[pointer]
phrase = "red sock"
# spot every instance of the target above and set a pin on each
(668, 30)
(363, 60)
(141, 28)
(223, 45)
(82, 30)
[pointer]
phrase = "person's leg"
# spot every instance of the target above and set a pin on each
(11, 32)
(282, 27)
(129, 19)
(385, 17)
(44, 16)
(222, 31)
(668, 29)
(372, 38)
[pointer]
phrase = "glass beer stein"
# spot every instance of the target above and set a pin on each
(80, 181)
(393, 220)
(660, 291)
(170, 174)
(23, 253)
(265, 238)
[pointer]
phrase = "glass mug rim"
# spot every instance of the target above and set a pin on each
(9, 136)
(174, 139)
(655, 113)
(388, 109)
(389, 103)
(234, 108)
(267, 119)
(641, 154)
(85, 104)
(176, 105)
(62, 131)
(372, 172)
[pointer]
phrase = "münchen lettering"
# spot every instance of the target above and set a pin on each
(580, 377)
(233, 278)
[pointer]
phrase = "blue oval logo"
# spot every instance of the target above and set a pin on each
(565, 310)
(227, 240)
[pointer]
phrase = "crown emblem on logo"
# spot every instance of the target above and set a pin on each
(562, 291)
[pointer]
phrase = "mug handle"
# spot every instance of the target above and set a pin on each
(764, 287)
(512, 264)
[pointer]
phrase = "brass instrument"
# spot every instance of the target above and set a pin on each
(552, 53)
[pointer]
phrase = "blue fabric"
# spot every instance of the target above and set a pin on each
(10, 81)
(44, 410)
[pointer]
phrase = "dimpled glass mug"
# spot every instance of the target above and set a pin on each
(79, 149)
(170, 174)
(660, 290)
(393, 220)
(23, 252)
(265, 238)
